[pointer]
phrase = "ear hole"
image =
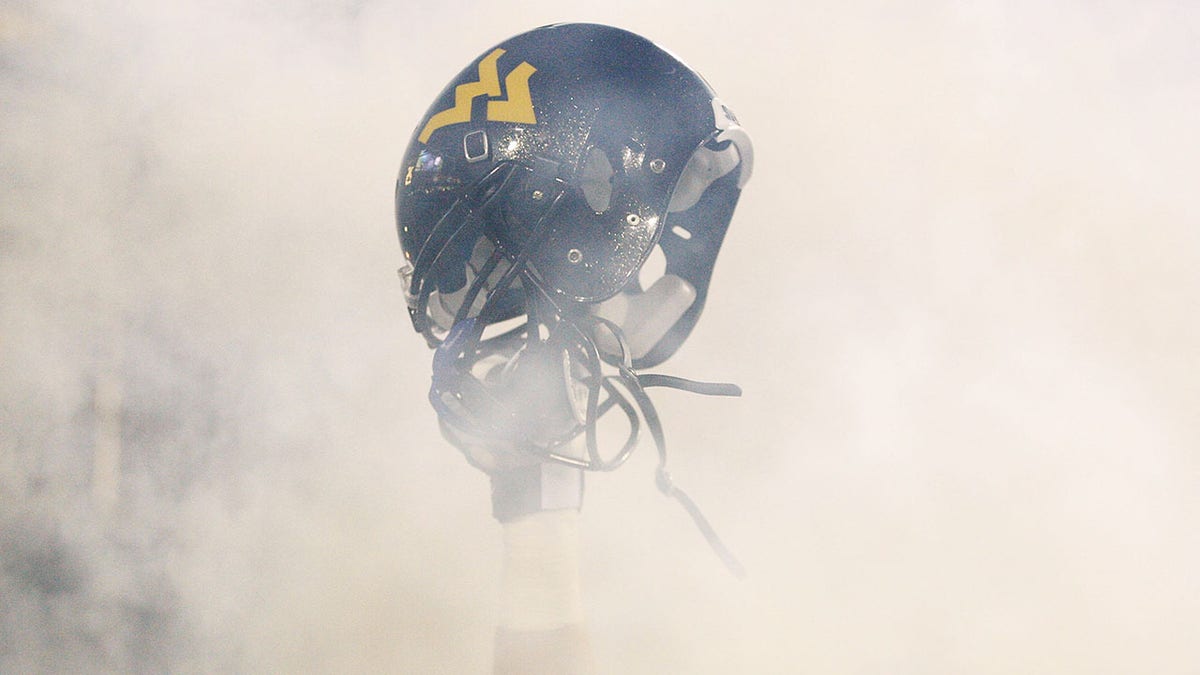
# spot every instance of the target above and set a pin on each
(595, 179)
(653, 269)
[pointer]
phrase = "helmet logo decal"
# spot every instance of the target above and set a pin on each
(517, 107)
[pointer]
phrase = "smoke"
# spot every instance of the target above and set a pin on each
(959, 294)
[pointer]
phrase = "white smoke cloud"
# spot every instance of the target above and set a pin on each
(959, 295)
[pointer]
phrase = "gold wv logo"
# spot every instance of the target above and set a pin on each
(517, 107)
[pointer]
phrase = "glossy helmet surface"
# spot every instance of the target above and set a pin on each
(571, 150)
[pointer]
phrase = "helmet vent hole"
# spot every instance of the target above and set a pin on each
(681, 233)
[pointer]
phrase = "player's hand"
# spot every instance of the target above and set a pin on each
(519, 403)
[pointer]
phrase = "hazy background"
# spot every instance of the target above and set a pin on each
(960, 293)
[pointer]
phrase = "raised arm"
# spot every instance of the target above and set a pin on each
(541, 627)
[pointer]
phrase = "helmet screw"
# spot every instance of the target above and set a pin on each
(657, 165)
(574, 256)
(633, 219)
(537, 195)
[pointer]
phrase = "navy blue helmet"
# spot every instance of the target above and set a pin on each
(573, 150)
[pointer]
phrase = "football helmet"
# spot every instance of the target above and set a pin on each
(531, 195)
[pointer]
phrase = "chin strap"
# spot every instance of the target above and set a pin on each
(637, 384)
(704, 388)
(662, 477)
(667, 487)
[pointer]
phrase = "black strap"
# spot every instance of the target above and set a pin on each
(693, 386)
(668, 488)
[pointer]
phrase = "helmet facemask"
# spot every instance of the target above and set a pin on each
(588, 350)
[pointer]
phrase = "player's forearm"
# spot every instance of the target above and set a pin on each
(541, 624)
(562, 651)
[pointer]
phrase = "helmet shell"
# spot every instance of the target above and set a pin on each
(545, 98)
(600, 114)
